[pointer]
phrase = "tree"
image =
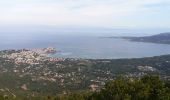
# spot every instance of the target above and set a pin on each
(146, 88)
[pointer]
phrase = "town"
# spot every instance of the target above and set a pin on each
(33, 56)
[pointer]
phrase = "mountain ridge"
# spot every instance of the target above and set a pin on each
(162, 38)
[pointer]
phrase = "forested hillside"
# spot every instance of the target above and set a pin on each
(146, 88)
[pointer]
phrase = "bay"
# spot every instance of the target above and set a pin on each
(90, 47)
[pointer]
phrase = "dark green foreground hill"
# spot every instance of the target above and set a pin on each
(145, 88)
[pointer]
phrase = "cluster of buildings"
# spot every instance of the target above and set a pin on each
(146, 68)
(33, 56)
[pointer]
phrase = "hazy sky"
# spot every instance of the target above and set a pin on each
(89, 13)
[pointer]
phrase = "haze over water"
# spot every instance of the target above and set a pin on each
(20, 19)
(84, 46)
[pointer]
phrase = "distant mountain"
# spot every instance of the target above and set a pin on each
(163, 38)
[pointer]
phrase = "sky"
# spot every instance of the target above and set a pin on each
(107, 14)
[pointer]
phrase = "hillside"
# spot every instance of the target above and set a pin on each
(119, 89)
(47, 76)
(163, 38)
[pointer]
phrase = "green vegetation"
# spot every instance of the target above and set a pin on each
(62, 80)
(145, 88)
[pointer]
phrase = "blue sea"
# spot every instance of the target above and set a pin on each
(93, 47)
